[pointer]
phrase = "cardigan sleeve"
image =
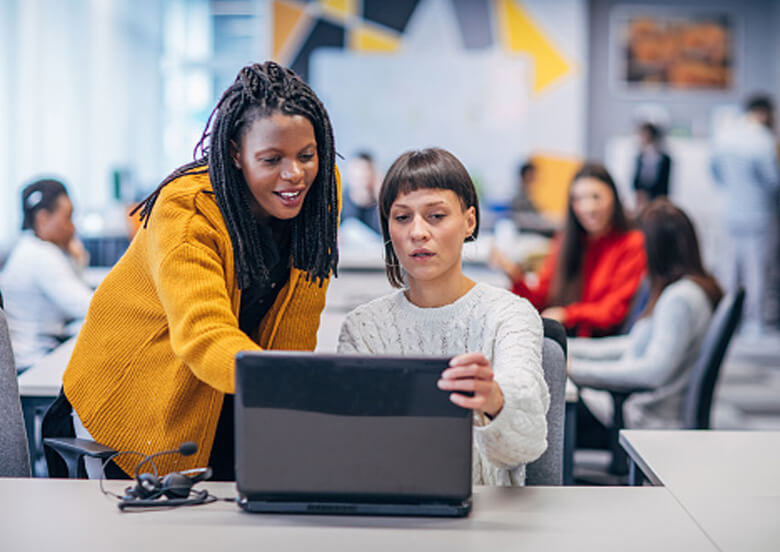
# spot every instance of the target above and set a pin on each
(539, 294)
(297, 330)
(675, 323)
(518, 434)
(204, 331)
(611, 309)
(203, 328)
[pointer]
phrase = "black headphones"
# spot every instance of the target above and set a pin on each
(175, 489)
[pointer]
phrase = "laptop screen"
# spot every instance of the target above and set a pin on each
(346, 427)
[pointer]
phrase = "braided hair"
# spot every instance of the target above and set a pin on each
(259, 91)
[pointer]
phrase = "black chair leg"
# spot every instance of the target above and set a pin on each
(635, 476)
(619, 464)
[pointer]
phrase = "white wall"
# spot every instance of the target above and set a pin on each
(480, 104)
(81, 97)
(7, 152)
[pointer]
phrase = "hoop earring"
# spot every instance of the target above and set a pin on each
(392, 264)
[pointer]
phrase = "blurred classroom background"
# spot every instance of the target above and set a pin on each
(111, 95)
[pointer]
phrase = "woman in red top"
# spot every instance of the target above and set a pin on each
(594, 268)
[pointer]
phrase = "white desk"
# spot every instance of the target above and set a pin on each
(39, 514)
(728, 481)
(44, 378)
(738, 463)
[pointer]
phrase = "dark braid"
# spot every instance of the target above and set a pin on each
(258, 92)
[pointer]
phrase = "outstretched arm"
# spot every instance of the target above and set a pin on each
(517, 434)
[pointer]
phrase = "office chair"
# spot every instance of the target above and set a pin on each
(697, 403)
(638, 304)
(14, 453)
(548, 468)
(701, 390)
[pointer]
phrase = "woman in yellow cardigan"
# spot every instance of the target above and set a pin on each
(235, 253)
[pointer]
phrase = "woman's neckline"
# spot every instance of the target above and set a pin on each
(462, 298)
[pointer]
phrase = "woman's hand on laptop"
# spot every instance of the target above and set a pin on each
(472, 373)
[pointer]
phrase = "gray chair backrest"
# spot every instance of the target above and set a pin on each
(638, 304)
(701, 387)
(548, 468)
(14, 455)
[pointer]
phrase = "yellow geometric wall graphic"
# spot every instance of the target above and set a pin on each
(287, 16)
(371, 39)
(339, 8)
(519, 33)
(550, 190)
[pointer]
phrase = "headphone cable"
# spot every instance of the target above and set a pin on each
(109, 459)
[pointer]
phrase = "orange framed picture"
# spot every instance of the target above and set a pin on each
(675, 51)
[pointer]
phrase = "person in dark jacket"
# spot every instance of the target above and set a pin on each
(653, 166)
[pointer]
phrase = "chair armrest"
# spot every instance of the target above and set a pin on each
(620, 389)
(619, 395)
(72, 451)
(81, 447)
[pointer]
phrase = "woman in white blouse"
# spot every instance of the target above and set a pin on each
(428, 208)
(41, 282)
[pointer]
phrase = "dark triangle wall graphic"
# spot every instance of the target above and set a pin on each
(390, 13)
(323, 34)
(473, 18)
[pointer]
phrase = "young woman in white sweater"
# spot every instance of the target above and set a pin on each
(428, 208)
(662, 347)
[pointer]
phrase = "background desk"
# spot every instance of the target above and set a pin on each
(362, 250)
(727, 480)
(74, 515)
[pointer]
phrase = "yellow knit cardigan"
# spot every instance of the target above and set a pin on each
(156, 353)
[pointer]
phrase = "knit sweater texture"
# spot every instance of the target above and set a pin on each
(156, 353)
(507, 330)
(612, 269)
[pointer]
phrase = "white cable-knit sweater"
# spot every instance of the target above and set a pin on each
(507, 330)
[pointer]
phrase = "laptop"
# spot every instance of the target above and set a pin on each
(349, 434)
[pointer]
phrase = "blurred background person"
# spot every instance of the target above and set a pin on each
(653, 165)
(595, 266)
(525, 214)
(362, 188)
(745, 163)
(662, 346)
(42, 282)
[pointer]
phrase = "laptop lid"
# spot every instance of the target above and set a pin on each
(348, 428)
